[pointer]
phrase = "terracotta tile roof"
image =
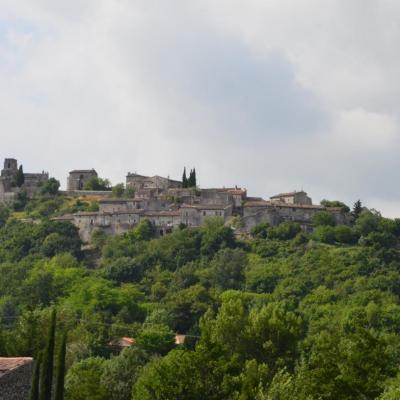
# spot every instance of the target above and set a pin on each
(122, 342)
(9, 363)
(180, 339)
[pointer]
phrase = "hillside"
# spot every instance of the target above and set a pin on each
(281, 315)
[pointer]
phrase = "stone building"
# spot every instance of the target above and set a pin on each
(194, 215)
(140, 183)
(292, 198)
(9, 190)
(274, 213)
(79, 177)
(15, 378)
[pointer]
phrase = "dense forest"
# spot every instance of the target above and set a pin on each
(278, 315)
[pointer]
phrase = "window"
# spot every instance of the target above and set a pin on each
(204, 213)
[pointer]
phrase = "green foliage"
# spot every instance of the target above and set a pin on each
(324, 218)
(284, 315)
(83, 381)
(59, 388)
(158, 339)
(324, 234)
(46, 376)
(50, 187)
(4, 214)
(118, 190)
(20, 177)
(121, 372)
(357, 209)
(97, 184)
(34, 393)
(335, 204)
(260, 231)
(284, 231)
(184, 179)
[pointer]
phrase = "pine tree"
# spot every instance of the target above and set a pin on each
(46, 375)
(20, 178)
(34, 395)
(357, 209)
(184, 179)
(59, 394)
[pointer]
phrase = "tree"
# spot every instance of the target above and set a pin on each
(118, 190)
(46, 376)
(335, 204)
(34, 395)
(191, 182)
(158, 339)
(83, 380)
(97, 184)
(324, 218)
(4, 214)
(184, 179)
(357, 209)
(51, 187)
(20, 177)
(59, 390)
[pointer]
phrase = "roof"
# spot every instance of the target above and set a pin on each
(122, 342)
(162, 213)
(289, 194)
(87, 171)
(103, 214)
(207, 206)
(8, 364)
(132, 175)
(264, 203)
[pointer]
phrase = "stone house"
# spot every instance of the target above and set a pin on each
(194, 215)
(141, 182)
(79, 177)
(15, 378)
(292, 198)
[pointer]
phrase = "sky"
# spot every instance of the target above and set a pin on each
(270, 95)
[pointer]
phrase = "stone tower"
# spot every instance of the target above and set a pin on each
(10, 167)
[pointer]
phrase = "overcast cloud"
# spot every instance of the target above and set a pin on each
(272, 95)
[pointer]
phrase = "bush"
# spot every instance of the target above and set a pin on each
(284, 231)
(324, 234)
(324, 218)
(344, 234)
(260, 231)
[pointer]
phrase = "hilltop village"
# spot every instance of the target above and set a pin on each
(168, 204)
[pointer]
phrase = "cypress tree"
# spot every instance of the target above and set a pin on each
(184, 179)
(190, 180)
(194, 183)
(20, 178)
(59, 395)
(34, 395)
(46, 376)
